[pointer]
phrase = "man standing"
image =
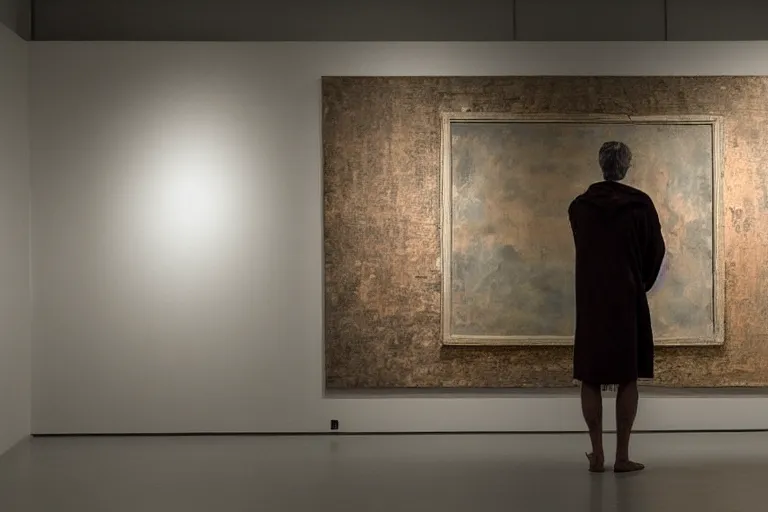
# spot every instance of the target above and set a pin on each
(619, 252)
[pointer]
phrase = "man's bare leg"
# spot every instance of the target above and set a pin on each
(592, 409)
(626, 410)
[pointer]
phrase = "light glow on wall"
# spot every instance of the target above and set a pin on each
(191, 189)
(191, 195)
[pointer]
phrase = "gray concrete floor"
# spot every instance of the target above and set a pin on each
(686, 472)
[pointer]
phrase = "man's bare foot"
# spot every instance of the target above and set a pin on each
(596, 463)
(627, 466)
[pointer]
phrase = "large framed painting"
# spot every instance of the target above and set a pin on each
(507, 248)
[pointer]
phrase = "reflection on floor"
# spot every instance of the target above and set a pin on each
(441, 473)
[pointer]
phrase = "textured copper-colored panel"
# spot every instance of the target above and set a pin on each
(382, 219)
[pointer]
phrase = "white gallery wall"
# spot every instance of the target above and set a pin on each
(177, 236)
(15, 303)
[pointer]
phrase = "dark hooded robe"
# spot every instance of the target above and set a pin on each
(619, 252)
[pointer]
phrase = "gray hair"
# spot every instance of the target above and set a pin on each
(615, 158)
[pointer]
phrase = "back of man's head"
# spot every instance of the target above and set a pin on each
(615, 159)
